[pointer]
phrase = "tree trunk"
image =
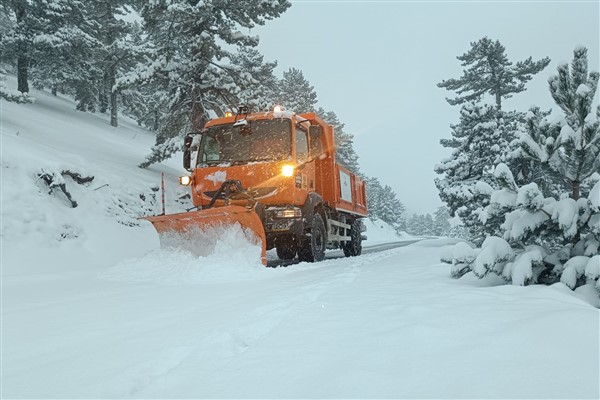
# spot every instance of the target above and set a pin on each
(114, 119)
(575, 196)
(156, 119)
(22, 49)
(22, 67)
(498, 101)
(102, 93)
(197, 113)
(575, 190)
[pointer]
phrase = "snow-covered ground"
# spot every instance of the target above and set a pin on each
(93, 308)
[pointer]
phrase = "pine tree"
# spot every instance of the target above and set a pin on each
(296, 93)
(384, 204)
(413, 225)
(375, 198)
(485, 136)
(192, 60)
(421, 225)
(441, 225)
(459, 232)
(491, 73)
(17, 44)
(392, 210)
(260, 91)
(472, 161)
(64, 51)
(148, 103)
(577, 157)
(115, 54)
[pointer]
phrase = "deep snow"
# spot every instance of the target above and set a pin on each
(93, 307)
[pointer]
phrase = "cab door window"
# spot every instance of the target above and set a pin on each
(301, 145)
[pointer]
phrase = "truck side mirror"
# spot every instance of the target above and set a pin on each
(187, 149)
(315, 133)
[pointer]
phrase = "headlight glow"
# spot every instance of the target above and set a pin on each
(185, 180)
(287, 170)
(289, 213)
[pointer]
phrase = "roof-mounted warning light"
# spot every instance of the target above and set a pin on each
(243, 109)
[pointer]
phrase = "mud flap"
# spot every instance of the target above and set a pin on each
(192, 225)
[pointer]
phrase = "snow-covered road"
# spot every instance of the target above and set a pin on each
(387, 324)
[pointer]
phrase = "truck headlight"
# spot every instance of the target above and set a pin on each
(185, 180)
(289, 213)
(287, 170)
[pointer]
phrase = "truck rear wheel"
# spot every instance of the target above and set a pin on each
(286, 248)
(354, 246)
(312, 248)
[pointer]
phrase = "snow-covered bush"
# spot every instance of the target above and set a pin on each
(494, 254)
(540, 234)
(12, 94)
(463, 256)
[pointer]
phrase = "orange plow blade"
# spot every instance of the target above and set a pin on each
(198, 227)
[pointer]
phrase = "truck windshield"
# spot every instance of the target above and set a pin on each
(258, 140)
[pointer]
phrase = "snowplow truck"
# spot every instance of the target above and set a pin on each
(276, 175)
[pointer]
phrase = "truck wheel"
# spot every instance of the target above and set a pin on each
(312, 248)
(286, 248)
(354, 246)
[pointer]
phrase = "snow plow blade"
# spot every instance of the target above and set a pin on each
(194, 225)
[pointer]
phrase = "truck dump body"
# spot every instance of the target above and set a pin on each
(337, 185)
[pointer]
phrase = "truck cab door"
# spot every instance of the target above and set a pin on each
(305, 172)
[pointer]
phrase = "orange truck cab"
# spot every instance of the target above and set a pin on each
(282, 166)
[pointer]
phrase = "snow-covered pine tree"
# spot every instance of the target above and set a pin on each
(344, 142)
(392, 210)
(296, 93)
(147, 103)
(6, 24)
(421, 225)
(191, 61)
(64, 51)
(374, 196)
(413, 225)
(17, 45)
(467, 179)
(459, 232)
(490, 72)
(259, 92)
(116, 53)
(441, 223)
(573, 91)
(551, 237)
(384, 204)
(485, 134)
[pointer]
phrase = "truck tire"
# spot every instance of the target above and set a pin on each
(353, 248)
(312, 249)
(286, 248)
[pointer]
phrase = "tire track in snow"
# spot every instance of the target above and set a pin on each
(221, 349)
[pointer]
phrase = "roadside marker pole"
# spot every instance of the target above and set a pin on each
(163, 192)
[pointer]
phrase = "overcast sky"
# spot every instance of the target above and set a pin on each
(377, 63)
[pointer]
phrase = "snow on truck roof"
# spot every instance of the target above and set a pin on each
(256, 116)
